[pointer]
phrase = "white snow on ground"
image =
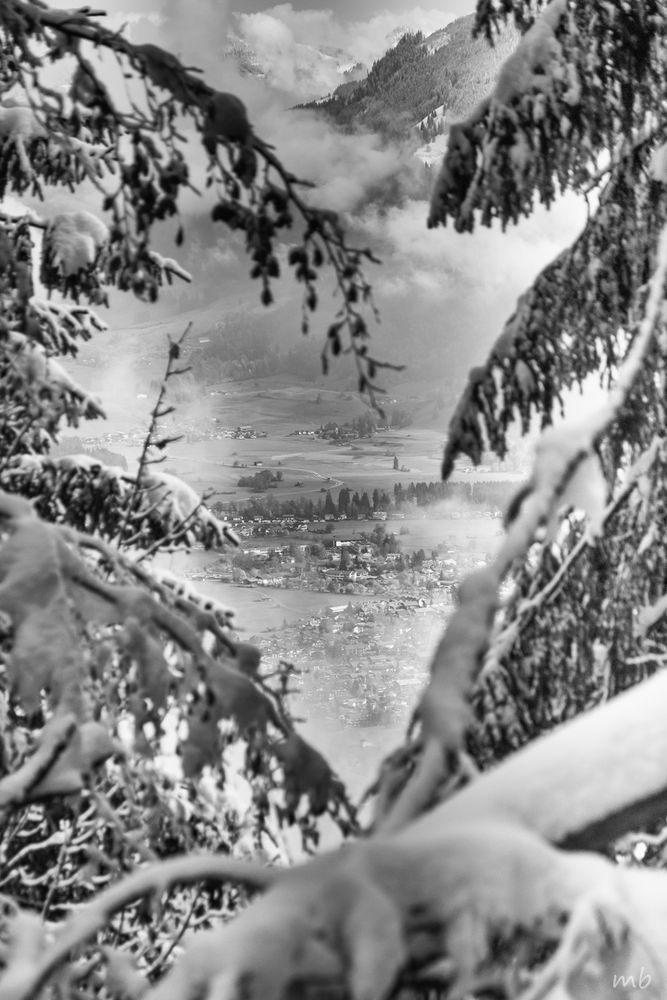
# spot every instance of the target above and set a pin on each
(433, 152)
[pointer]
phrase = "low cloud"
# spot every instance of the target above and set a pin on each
(448, 292)
(349, 170)
(381, 186)
(196, 33)
(286, 42)
(446, 263)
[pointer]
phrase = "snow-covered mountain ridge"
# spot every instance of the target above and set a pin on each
(314, 71)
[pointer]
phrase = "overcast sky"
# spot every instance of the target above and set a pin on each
(196, 31)
(360, 9)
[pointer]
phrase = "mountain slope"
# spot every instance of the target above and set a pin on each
(419, 74)
(306, 71)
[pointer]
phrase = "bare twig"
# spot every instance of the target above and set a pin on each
(154, 880)
(149, 441)
(177, 938)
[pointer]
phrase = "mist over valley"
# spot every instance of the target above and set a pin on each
(357, 599)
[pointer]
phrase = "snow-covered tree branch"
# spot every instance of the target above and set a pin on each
(501, 882)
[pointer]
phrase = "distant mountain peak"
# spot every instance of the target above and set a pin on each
(243, 55)
(307, 71)
(312, 73)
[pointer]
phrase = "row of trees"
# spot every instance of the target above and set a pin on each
(257, 357)
(475, 493)
(261, 480)
(433, 125)
(480, 495)
(367, 424)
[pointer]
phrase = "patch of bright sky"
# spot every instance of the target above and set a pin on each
(359, 9)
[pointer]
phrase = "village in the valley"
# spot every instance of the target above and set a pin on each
(350, 584)
(376, 607)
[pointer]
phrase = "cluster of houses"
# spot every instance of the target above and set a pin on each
(191, 430)
(129, 439)
(262, 527)
(286, 524)
(361, 664)
(245, 431)
(346, 567)
(363, 661)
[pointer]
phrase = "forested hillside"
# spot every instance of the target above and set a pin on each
(419, 74)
